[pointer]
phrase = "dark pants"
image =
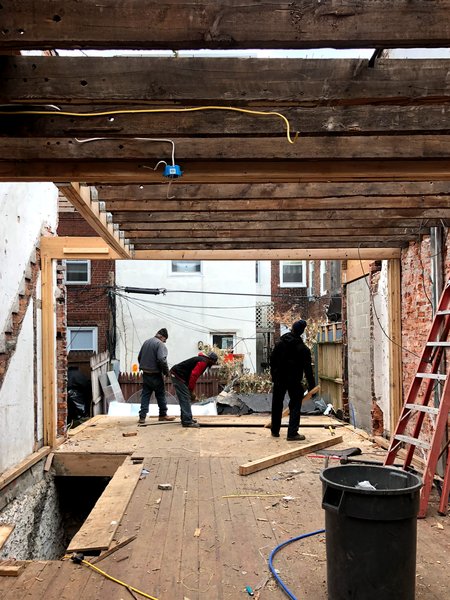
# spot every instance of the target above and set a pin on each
(296, 392)
(153, 382)
(184, 398)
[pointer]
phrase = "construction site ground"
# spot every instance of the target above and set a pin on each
(210, 535)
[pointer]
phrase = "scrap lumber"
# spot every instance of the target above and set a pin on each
(311, 393)
(280, 457)
(113, 549)
(99, 529)
(11, 570)
(5, 532)
(84, 425)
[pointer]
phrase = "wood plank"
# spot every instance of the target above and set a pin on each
(280, 457)
(5, 532)
(11, 570)
(99, 528)
(8, 476)
(86, 464)
(118, 546)
(203, 148)
(395, 342)
(48, 351)
(228, 172)
(220, 81)
(216, 24)
(90, 423)
(323, 253)
(331, 120)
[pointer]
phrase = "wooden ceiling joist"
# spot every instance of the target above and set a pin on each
(221, 81)
(178, 25)
(80, 197)
(247, 172)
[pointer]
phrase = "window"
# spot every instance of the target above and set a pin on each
(224, 341)
(323, 277)
(188, 267)
(292, 273)
(78, 272)
(82, 338)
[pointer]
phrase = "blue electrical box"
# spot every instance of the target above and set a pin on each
(172, 171)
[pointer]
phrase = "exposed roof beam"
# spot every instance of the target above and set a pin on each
(334, 120)
(80, 197)
(323, 253)
(229, 172)
(224, 24)
(215, 148)
(221, 81)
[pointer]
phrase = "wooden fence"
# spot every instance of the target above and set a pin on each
(208, 385)
(330, 364)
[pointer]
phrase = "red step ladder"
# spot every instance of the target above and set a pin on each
(419, 404)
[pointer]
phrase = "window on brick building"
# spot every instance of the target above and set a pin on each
(78, 272)
(187, 267)
(293, 273)
(82, 338)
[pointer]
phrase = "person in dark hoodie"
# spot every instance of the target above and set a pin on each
(289, 361)
(184, 377)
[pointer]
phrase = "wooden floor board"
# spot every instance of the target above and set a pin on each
(190, 566)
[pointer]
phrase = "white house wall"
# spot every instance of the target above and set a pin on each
(190, 318)
(26, 211)
(17, 400)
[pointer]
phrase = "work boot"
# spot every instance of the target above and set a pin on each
(166, 418)
(190, 424)
(295, 438)
(274, 434)
(141, 420)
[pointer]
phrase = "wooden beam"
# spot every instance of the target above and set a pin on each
(11, 474)
(236, 148)
(75, 247)
(395, 341)
(280, 457)
(225, 82)
(98, 530)
(261, 254)
(229, 171)
(7, 570)
(281, 192)
(86, 464)
(176, 25)
(48, 351)
(186, 244)
(329, 120)
(80, 197)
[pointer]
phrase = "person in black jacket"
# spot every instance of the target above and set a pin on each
(290, 359)
(184, 377)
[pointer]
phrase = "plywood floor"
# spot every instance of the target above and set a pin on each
(193, 543)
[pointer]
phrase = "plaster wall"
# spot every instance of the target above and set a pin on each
(25, 209)
(381, 381)
(17, 411)
(190, 318)
(359, 354)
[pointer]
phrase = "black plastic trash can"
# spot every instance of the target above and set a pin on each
(371, 534)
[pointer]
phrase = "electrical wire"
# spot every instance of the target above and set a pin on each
(111, 578)
(283, 586)
(143, 139)
(104, 113)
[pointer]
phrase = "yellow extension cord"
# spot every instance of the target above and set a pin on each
(156, 110)
(125, 585)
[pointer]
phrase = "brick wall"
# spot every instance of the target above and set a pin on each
(87, 305)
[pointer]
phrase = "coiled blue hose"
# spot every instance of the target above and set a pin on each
(282, 545)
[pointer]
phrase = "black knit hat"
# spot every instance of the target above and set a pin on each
(163, 333)
(298, 327)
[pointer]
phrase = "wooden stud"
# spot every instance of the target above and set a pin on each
(395, 341)
(48, 351)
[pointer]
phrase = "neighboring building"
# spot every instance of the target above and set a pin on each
(207, 303)
(90, 305)
(303, 289)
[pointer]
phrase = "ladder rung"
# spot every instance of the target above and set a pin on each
(446, 344)
(443, 312)
(432, 376)
(422, 408)
(412, 441)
